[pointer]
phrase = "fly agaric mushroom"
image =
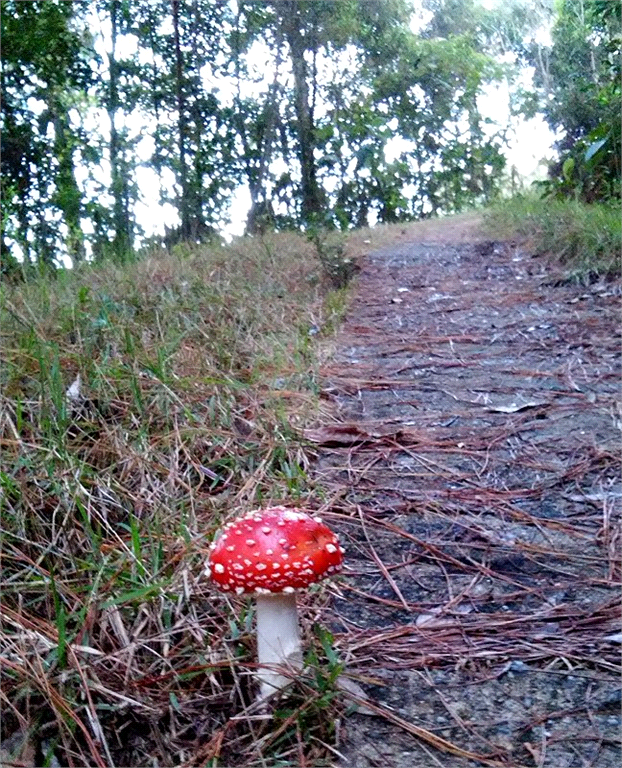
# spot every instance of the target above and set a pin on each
(271, 553)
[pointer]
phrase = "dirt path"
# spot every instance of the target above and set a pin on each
(473, 464)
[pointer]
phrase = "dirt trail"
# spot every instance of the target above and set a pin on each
(473, 465)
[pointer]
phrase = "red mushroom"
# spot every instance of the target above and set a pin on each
(271, 553)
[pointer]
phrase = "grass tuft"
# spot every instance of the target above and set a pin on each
(586, 239)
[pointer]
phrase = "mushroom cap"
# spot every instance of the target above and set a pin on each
(273, 550)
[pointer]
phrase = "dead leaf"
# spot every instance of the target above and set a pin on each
(516, 407)
(350, 434)
(347, 685)
(73, 392)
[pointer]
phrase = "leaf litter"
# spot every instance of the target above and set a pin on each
(471, 464)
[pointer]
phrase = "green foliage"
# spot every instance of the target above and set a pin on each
(579, 81)
(337, 265)
(300, 101)
(45, 75)
(420, 89)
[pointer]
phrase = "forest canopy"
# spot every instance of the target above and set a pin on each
(300, 102)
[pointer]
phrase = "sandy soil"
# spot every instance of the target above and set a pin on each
(471, 466)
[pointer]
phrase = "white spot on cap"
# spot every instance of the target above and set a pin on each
(266, 529)
(239, 590)
(331, 548)
(288, 590)
(219, 568)
(276, 566)
(250, 542)
(261, 566)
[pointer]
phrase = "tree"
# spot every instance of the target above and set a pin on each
(256, 120)
(578, 84)
(349, 117)
(422, 89)
(44, 80)
(359, 77)
(191, 139)
(294, 26)
(120, 169)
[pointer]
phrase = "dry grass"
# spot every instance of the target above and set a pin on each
(463, 227)
(197, 372)
(585, 239)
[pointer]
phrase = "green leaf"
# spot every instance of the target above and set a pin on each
(134, 595)
(136, 545)
(61, 623)
(568, 168)
(174, 702)
(594, 148)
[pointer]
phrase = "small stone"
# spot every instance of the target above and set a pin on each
(518, 667)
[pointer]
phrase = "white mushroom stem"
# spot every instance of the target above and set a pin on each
(278, 640)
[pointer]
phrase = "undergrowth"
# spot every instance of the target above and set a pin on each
(586, 239)
(141, 405)
(338, 266)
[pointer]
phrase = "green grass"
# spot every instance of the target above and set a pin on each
(197, 373)
(586, 239)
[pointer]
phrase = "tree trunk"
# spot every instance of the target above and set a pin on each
(182, 127)
(312, 198)
(198, 166)
(68, 195)
(123, 235)
(261, 214)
